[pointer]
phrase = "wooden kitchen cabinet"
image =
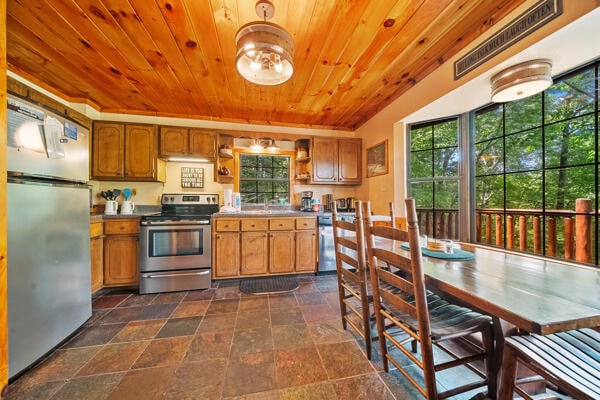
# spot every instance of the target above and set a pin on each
(306, 246)
(254, 253)
(97, 254)
(179, 141)
(108, 150)
(121, 252)
(349, 161)
(306, 251)
(226, 248)
(254, 246)
(126, 152)
(264, 246)
(336, 161)
(281, 254)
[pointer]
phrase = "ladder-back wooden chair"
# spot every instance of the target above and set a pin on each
(354, 291)
(412, 313)
(569, 360)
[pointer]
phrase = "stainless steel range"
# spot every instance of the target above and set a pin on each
(175, 245)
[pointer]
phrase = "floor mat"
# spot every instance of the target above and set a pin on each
(273, 284)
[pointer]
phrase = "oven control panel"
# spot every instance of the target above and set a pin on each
(189, 198)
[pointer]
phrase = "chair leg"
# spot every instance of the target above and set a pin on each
(341, 300)
(487, 337)
(366, 321)
(509, 374)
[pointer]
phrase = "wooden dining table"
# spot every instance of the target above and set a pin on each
(532, 294)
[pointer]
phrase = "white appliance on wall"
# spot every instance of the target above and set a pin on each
(49, 294)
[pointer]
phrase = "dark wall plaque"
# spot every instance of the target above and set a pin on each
(531, 20)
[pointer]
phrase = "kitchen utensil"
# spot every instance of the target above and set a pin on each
(104, 195)
(116, 193)
(127, 194)
(109, 195)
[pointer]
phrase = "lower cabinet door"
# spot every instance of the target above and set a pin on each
(254, 253)
(121, 260)
(227, 254)
(281, 252)
(97, 262)
(306, 251)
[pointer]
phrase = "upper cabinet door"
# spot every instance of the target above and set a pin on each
(107, 150)
(325, 160)
(173, 141)
(202, 143)
(349, 153)
(140, 152)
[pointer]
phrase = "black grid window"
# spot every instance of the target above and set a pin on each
(434, 176)
(535, 160)
(264, 178)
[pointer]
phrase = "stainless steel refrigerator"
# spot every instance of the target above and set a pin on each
(48, 232)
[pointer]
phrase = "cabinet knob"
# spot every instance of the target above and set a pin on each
(280, 224)
(252, 226)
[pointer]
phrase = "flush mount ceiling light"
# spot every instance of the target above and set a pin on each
(521, 80)
(264, 49)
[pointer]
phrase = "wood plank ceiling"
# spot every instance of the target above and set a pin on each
(177, 57)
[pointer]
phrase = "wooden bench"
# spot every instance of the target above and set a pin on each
(570, 360)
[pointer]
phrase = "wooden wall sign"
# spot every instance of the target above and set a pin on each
(531, 20)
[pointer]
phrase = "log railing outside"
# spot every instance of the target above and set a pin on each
(567, 233)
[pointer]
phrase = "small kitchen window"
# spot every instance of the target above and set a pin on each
(264, 178)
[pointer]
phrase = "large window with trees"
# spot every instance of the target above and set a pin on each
(264, 178)
(434, 176)
(532, 171)
(536, 164)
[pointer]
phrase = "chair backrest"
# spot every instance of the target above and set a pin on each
(392, 215)
(383, 252)
(349, 241)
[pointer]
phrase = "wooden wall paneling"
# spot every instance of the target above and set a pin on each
(66, 73)
(177, 58)
(186, 37)
(111, 45)
(405, 62)
(132, 28)
(32, 19)
(170, 56)
(3, 244)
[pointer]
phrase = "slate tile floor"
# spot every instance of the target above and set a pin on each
(213, 344)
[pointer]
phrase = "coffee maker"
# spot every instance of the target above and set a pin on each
(305, 202)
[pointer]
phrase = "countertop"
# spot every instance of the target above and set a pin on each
(140, 210)
(264, 214)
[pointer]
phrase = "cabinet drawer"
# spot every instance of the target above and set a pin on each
(281, 224)
(96, 229)
(121, 226)
(306, 223)
(227, 225)
(254, 224)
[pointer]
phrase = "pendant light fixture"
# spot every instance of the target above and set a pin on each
(521, 80)
(264, 49)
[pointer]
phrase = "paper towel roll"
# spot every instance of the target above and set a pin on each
(227, 197)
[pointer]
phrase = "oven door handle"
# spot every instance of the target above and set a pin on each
(176, 275)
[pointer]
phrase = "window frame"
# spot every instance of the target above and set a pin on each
(284, 153)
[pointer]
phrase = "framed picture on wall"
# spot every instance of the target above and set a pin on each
(377, 159)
